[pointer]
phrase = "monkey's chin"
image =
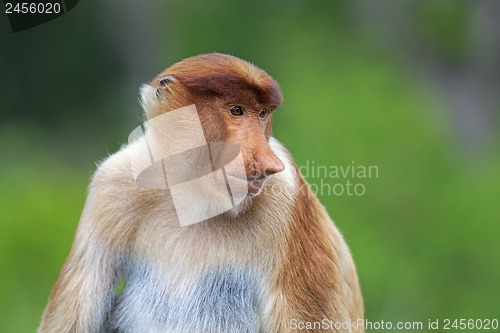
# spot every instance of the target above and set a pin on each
(250, 186)
(255, 188)
(254, 185)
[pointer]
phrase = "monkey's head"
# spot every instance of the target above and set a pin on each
(235, 101)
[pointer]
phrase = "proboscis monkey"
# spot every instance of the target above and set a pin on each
(273, 263)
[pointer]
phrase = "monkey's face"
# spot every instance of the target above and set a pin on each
(235, 101)
(247, 125)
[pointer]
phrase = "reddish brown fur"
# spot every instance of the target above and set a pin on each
(216, 81)
(316, 279)
(224, 76)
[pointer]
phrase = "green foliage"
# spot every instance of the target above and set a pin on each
(445, 24)
(40, 203)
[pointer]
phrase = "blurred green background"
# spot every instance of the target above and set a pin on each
(408, 86)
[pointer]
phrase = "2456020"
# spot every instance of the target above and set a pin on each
(470, 324)
(32, 8)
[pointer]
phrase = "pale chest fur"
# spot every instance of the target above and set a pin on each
(214, 276)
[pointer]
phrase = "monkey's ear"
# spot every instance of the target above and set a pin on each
(163, 82)
(161, 95)
(166, 80)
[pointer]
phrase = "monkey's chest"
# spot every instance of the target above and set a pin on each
(224, 299)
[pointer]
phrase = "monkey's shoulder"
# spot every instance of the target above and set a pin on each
(113, 194)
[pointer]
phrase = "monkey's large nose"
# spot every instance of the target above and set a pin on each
(268, 164)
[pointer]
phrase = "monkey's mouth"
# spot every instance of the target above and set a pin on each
(254, 184)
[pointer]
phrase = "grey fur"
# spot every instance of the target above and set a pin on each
(224, 300)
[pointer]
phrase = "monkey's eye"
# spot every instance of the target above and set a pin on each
(236, 111)
(263, 114)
